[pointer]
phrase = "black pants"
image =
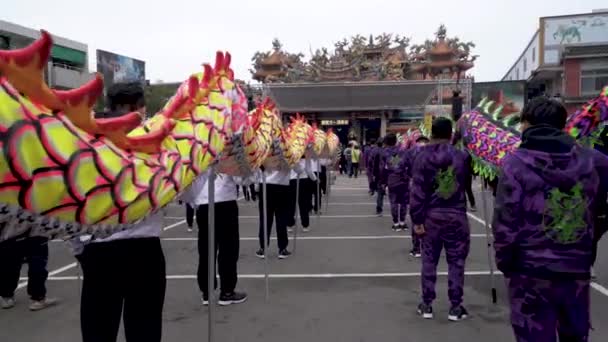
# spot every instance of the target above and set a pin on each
(119, 274)
(469, 190)
(226, 245)
(34, 251)
(316, 202)
(189, 215)
(276, 208)
(323, 179)
(304, 203)
(354, 170)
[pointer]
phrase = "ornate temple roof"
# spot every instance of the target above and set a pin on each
(376, 58)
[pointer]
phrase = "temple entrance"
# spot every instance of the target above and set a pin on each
(370, 129)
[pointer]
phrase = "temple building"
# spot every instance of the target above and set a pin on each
(367, 86)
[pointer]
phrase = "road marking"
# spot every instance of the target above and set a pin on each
(176, 224)
(52, 273)
(476, 218)
(312, 275)
(599, 288)
(355, 237)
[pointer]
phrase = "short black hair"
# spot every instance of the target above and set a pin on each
(542, 110)
(372, 141)
(422, 138)
(126, 94)
(390, 139)
(379, 142)
(442, 128)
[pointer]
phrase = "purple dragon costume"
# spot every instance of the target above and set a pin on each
(438, 202)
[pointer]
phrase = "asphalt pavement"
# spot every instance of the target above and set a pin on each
(349, 279)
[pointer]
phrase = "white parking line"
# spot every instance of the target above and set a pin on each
(355, 237)
(52, 273)
(311, 275)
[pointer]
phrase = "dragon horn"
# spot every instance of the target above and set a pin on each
(219, 61)
(488, 105)
(227, 60)
(24, 68)
(78, 103)
(184, 103)
(497, 111)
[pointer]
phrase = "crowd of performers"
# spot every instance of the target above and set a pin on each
(545, 247)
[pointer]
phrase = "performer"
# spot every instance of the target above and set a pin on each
(189, 216)
(394, 177)
(348, 155)
(408, 163)
(367, 157)
(125, 271)
(356, 157)
(469, 187)
(226, 235)
(375, 169)
(35, 251)
(277, 207)
(307, 179)
(549, 193)
(438, 212)
(317, 197)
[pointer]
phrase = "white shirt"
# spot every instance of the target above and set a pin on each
(151, 226)
(302, 170)
(224, 190)
(277, 177)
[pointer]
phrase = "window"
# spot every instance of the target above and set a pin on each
(592, 81)
(525, 65)
(533, 54)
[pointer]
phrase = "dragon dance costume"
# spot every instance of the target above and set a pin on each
(64, 173)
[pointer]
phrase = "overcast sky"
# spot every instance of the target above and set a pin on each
(175, 37)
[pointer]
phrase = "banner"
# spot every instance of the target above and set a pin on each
(120, 69)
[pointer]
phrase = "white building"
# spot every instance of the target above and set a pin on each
(567, 56)
(68, 65)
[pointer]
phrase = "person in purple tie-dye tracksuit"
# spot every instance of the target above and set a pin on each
(438, 212)
(550, 199)
(407, 165)
(394, 177)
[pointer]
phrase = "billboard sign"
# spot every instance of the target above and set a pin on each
(510, 94)
(581, 29)
(120, 69)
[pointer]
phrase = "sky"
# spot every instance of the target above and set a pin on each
(175, 37)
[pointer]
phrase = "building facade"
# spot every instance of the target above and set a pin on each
(68, 64)
(367, 86)
(567, 57)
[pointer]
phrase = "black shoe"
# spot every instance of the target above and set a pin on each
(425, 311)
(260, 253)
(458, 314)
(396, 227)
(379, 213)
(232, 298)
(284, 254)
(403, 226)
(415, 254)
(205, 299)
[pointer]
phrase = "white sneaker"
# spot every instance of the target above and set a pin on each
(290, 229)
(38, 305)
(305, 229)
(7, 303)
(189, 229)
